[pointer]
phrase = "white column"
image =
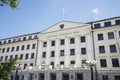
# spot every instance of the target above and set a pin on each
(57, 52)
(67, 52)
(90, 46)
(77, 50)
(39, 52)
(48, 53)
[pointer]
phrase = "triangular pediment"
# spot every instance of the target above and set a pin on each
(64, 25)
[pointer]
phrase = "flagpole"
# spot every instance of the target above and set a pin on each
(63, 14)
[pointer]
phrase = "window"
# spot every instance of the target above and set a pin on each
(83, 50)
(28, 46)
(44, 54)
(72, 51)
(61, 52)
(14, 40)
(6, 58)
(52, 63)
(44, 44)
(103, 63)
(3, 50)
(100, 37)
(9, 41)
(107, 24)
(32, 55)
(53, 43)
(30, 37)
(104, 77)
(97, 25)
(1, 58)
(115, 62)
(72, 62)
(25, 65)
(16, 56)
(24, 38)
(52, 53)
(61, 62)
(19, 39)
(23, 46)
(72, 41)
(110, 35)
(26, 56)
(0, 42)
(11, 56)
(21, 56)
(35, 37)
(117, 77)
(113, 48)
(8, 49)
(4, 42)
(62, 42)
(17, 49)
(12, 49)
(31, 64)
(117, 22)
(33, 46)
(101, 49)
(83, 39)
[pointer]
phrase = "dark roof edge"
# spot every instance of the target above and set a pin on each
(102, 20)
(21, 35)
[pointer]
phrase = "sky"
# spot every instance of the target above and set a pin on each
(37, 15)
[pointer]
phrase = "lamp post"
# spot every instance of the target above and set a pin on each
(91, 63)
(18, 67)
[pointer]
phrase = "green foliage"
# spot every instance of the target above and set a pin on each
(12, 3)
(6, 68)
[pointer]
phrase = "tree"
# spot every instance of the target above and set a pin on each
(6, 68)
(12, 3)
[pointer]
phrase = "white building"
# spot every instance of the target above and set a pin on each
(61, 51)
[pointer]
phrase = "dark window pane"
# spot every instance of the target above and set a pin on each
(23, 46)
(35, 37)
(107, 24)
(83, 50)
(1, 58)
(119, 34)
(61, 52)
(31, 64)
(33, 46)
(72, 41)
(21, 56)
(44, 44)
(6, 58)
(4, 42)
(72, 51)
(117, 22)
(113, 48)
(62, 42)
(30, 37)
(53, 43)
(11, 56)
(101, 49)
(104, 77)
(26, 56)
(3, 50)
(32, 56)
(115, 62)
(9, 41)
(8, 49)
(12, 49)
(100, 36)
(97, 25)
(52, 53)
(72, 62)
(103, 63)
(17, 48)
(61, 62)
(44, 54)
(52, 63)
(28, 46)
(25, 65)
(83, 39)
(110, 35)
(24, 38)
(16, 56)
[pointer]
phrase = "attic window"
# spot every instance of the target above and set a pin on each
(61, 26)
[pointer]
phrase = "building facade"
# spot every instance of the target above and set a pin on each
(60, 52)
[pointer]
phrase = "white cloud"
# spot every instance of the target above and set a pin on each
(96, 11)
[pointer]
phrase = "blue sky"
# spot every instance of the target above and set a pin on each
(37, 15)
